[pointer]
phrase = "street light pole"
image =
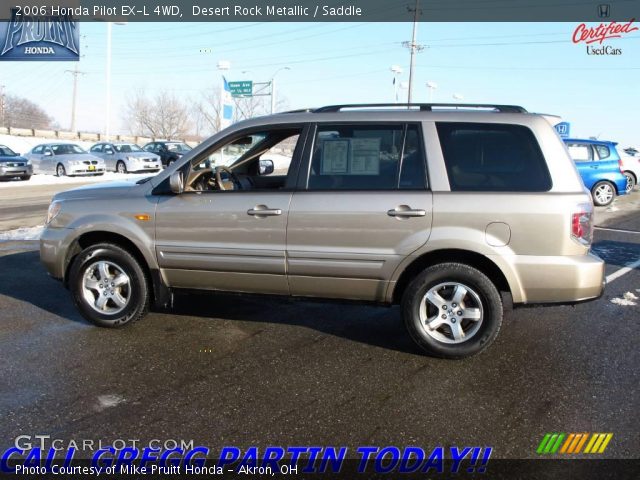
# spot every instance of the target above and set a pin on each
(397, 70)
(107, 120)
(273, 88)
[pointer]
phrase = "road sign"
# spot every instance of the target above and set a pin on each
(563, 129)
(243, 88)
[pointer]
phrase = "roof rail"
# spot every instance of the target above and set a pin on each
(424, 107)
(299, 110)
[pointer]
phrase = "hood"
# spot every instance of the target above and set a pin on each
(101, 190)
(5, 158)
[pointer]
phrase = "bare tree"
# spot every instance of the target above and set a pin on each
(208, 109)
(22, 113)
(163, 116)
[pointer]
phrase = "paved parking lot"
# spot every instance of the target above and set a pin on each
(227, 370)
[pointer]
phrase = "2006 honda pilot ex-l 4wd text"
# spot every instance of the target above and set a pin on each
(448, 212)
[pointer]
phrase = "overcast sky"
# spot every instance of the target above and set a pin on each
(535, 65)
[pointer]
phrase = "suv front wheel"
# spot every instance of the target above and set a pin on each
(452, 310)
(109, 286)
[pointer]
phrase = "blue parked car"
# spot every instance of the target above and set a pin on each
(600, 167)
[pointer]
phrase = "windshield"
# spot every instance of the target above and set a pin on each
(66, 149)
(7, 152)
(178, 147)
(127, 148)
(230, 153)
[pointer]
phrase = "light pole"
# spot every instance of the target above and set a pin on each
(273, 88)
(397, 70)
(431, 86)
(107, 121)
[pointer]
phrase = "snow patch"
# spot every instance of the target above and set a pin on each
(53, 180)
(23, 233)
(628, 300)
(109, 401)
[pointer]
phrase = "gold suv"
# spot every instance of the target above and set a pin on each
(446, 210)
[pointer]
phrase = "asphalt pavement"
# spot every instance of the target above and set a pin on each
(228, 370)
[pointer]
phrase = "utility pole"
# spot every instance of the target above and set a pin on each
(75, 74)
(413, 47)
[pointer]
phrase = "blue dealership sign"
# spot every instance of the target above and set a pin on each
(563, 129)
(41, 38)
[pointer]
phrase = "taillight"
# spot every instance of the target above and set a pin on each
(620, 167)
(582, 226)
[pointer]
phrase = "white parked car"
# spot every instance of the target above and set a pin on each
(125, 157)
(631, 166)
(64, 159)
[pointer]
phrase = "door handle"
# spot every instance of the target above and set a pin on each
(406, 212)
(264, 211)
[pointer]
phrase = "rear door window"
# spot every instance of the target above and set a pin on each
(493, 157)
(367, 157)
(580, 152)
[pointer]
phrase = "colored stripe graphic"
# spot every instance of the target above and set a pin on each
(572, 443)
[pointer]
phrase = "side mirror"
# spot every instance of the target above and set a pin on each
(47, 154)
(110, 152)
(266, 167)
(176, 183)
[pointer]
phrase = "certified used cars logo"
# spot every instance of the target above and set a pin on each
(41, 35)
(597, 35)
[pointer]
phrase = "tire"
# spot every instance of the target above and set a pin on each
(60, 170)
(121, 167)
(631, 181)
(603, 193)
(121, 305)
(25, 177)
(480, 298)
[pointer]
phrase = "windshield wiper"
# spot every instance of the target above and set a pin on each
(143, 180)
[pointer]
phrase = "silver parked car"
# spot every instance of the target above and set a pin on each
(12, 165)
(446, 210)
(64, 159)
(125, 157)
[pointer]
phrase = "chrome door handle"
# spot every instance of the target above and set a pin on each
(409, 212)
(264, 211)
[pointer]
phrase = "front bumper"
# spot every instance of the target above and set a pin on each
(145, 166)
(85, 171)
(559, 279)
(10, 172)
(54, 244)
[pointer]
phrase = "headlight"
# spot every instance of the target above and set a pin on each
(54, 210)
(28, 161)
(133, 159)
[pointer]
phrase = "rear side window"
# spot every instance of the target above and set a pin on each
(367, 157)
(603, 152)
(493, 158)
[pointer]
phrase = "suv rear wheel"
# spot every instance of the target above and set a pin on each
(109, 286)
(452, 310)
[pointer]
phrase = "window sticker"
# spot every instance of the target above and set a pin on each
(335, 156)
(365, 156)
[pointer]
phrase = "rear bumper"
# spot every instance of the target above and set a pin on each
(560, 280)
